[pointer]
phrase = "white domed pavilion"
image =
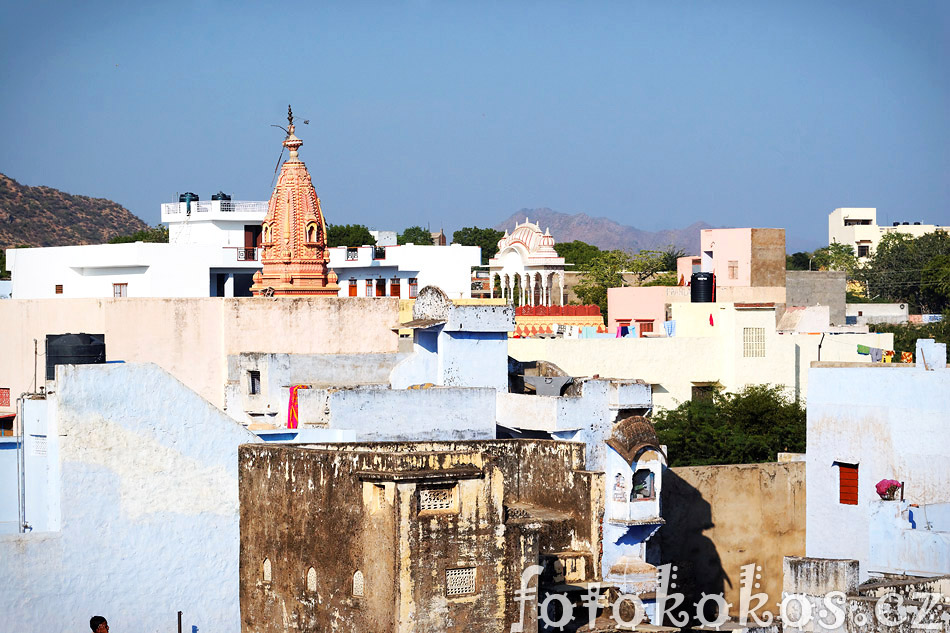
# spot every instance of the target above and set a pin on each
(527, 263)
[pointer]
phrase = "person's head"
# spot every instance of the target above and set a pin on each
(98, 624)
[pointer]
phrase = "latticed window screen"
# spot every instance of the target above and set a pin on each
(753, 342)
(435, 499)
(4, 396)
(358, 584)
(459, 581)
(311, 579)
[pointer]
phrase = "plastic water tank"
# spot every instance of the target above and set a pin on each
(702, 288)
(73, 349)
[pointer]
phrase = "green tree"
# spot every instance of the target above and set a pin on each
(669, 257)
(486, 239)
(4, 273)
(349, 235)
(747, 427)
(895, 270)
(935, 282)
(665, 278)
(578, 253)
(605, 271)
(157, 233)
(835, 257)
(798, 261)
(645, 265)
(415, 235)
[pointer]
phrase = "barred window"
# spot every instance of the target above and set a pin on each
(753, 342)
(311, 579)
(460, 581)
(437, 499)
(358, 584)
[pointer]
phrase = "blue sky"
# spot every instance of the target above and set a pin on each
(654, 114)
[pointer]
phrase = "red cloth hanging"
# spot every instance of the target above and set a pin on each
(292, 415)
(711, 319)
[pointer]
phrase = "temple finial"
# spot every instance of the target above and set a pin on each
(290, 120)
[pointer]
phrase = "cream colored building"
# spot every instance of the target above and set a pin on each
(190, 338)
(858, 227)
(727, 345)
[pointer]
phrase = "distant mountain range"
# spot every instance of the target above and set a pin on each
(42, 216)
(607, 234)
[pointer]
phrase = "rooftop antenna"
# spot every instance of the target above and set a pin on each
(288, 131)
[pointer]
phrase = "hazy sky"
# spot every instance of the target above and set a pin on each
(655, 114)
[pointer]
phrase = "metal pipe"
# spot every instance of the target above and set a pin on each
(20, 464)
(179, 622)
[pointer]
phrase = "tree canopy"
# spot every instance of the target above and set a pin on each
(909, 270)
(415, 235)
(747, 427)
(486, 238)
(578, 253)
(157, 233)
(605, 271)
(349, 235)
(669, 257)
(906, 335)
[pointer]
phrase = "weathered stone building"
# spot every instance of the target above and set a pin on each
(423, 537)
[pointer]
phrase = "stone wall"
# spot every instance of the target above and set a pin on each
(818, 287)
(719, 518)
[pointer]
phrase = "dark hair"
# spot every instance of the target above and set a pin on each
(95, 621)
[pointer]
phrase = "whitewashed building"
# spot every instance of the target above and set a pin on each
(213, 250)
(858, 227)
(401, 271)
(527, 266)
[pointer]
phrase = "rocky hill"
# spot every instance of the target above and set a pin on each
(41, 216)
(607, 234)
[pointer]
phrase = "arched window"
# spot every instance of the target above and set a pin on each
(265, 234)
(312, 233)
(265, 570)
(312, 580)
(358, 584)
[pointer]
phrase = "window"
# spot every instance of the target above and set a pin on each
(642, 485)
(441, 499)
(379, 252)
(459, 582)
(6, 426)
(352, 287)
(644, 327)
(369, 287)
(394, 287)
(413, 287)
(703, 393)
(847, 484)
(352, 254)
(312, 234)
(4, 396)
(59, 289)
(266, 570)
(753, 342)
(254, 382)
(120, 290)
(358, 584)
(733, 269)
(312, 580)
(380, 496)
(380, 287)
(863, 250)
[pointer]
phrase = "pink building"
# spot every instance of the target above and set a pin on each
(749, 265)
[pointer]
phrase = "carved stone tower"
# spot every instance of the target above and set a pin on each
(293, 236)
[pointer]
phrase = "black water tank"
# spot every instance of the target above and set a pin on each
(702, 288)
(220, 196)
(73, 349)
(187, 197)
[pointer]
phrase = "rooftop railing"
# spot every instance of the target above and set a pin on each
(215, 206)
